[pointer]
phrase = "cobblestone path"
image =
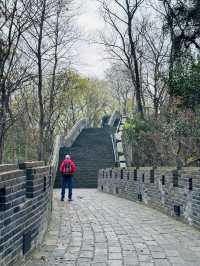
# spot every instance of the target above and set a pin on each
(100, 229)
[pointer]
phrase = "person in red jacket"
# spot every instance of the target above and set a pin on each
(67, 169)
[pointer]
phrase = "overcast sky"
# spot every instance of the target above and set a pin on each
(91, 60)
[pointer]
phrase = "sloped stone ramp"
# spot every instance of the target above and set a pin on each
(101, 229)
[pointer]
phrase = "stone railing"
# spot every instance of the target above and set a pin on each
(74, 133)
(115, 115)
(175, 192)
(25, 208)
(54, 159)
(114, 146)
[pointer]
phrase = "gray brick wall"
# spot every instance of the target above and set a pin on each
(175, 192)
(25, 209)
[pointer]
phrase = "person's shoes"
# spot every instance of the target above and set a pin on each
(62, 199)
(70, 199)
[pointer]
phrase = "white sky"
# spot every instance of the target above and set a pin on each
(91, 57)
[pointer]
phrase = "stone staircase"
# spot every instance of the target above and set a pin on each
(91, 151)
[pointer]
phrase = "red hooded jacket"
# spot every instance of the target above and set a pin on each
(63, 168)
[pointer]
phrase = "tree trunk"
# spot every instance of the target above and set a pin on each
(41, 121)
(2, 130)
(40, 86)
(2, 116)
(133, 101)
(49, 130)
(156, 107)
(1, 145)
(26, 153)
(136, 74)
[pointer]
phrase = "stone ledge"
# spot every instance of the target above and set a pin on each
(7, 167)
(33, 164)
(8, 175)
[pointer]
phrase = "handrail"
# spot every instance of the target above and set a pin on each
(54, 159)
(114, 144)
(114, 149)
(75, 132)
(113, 117)
(120, 120)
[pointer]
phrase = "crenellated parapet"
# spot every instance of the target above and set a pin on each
(25, 209)
(175, 192)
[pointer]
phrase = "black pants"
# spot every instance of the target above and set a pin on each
(67, 180)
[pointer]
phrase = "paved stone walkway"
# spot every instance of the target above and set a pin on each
(100, 229)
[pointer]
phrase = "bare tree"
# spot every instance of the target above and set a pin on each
(63, 38)
(155, 59)
(122, 42)
(121, 86)
(13, 69)
(47, 42)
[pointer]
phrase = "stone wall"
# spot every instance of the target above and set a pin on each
(175, 192)
(25, 209)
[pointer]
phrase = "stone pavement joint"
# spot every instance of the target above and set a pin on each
(99, 229)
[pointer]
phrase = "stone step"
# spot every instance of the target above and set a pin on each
(91, 151)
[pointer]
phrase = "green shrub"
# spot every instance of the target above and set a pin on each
(134, 127)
